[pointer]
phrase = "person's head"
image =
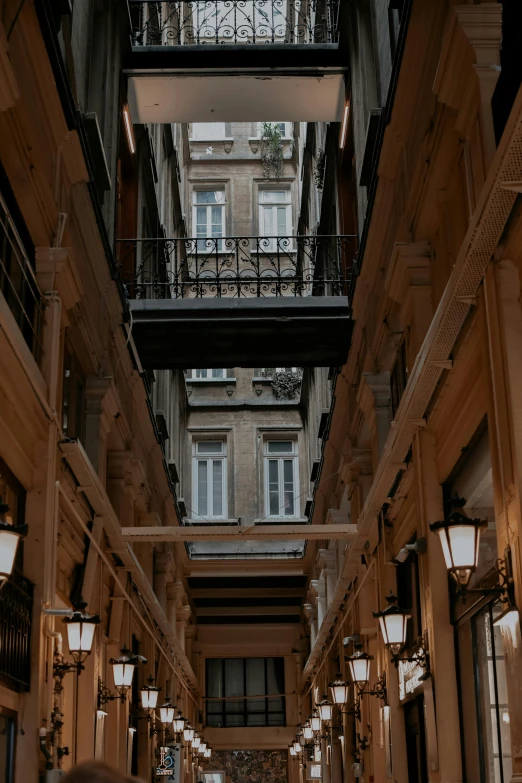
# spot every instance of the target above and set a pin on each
(96, 772)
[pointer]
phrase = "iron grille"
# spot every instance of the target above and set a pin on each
(218, 267)
(16, 609)
(196, 22)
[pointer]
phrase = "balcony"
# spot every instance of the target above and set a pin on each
(199, 22)
(283, 56)
(206, 302)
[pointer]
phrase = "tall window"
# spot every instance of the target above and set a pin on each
(209, 374)
(398, 378)
(281, 478)
(209, 217)
(207, 131)
(233, 682)
(275, 213)
(209, 494)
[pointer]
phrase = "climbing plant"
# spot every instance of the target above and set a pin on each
(272, 150)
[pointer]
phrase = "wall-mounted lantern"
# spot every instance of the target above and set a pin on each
(149, 696)
(10, 537)
(123, 669)
(459, 536)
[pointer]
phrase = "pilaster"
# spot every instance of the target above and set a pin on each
(56, 271)
(183, 614)
(101, 408)
(319, 586)
(326, 566)
(408, 283)
(310, 611)
(374, 397)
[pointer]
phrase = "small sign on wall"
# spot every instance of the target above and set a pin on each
(169, 766)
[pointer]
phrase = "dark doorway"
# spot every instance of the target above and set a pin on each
(416, 741)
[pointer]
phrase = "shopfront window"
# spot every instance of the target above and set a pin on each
(491, 689)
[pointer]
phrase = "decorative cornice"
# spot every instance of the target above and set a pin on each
(56, 271)
(410, 266)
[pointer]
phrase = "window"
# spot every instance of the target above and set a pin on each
(275, 213)
(209, 374)
(207, 131)
(209, 494)
(492, 699)
(12, 494)
(284, 127)
(73, 396)
(281, 478)
(233, 682)
(209, 218)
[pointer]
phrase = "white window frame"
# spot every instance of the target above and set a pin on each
(281, 458)
(209, 207)
(198, 457)
(274, 206)
(209, 374)
(208, 131)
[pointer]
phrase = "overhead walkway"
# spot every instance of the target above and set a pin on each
(235, 61)
(239, 301)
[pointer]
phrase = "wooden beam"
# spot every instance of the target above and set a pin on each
(247, 611)
(240, 533)
(250, 592)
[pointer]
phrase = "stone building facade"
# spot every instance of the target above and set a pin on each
(185, 506)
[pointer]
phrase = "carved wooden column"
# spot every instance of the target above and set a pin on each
(174, 596)
(163, 573)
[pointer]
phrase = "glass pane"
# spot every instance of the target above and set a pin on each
(273, 487)
(214, 678)
(255, 677)
(202, 487)
(234, 677)
(210, 446)
(277, 196)
(275, 675)
(281, 222)
(288, 476)
(217, 487)
(201, 373)
(208, 130)
(280, 447)
(267, 229)
(218, 373)
(217, 221)
(210, 196)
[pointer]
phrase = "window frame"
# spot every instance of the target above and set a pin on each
(225, 718)
(274, 206)
(196, 206)
(210, 458)
(211, 377)
(218, 136)
(281, 458)
(288, 129)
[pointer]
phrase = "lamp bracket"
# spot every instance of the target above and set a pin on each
(504, 569)
(62, 667)
(105, 695)
(420, 656)
(378, 690)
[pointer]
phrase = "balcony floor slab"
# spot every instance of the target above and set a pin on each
(249, 332)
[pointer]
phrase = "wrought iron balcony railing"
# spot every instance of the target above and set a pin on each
(229, 267)
(195, 22)
(16, 610)
(18, 282)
